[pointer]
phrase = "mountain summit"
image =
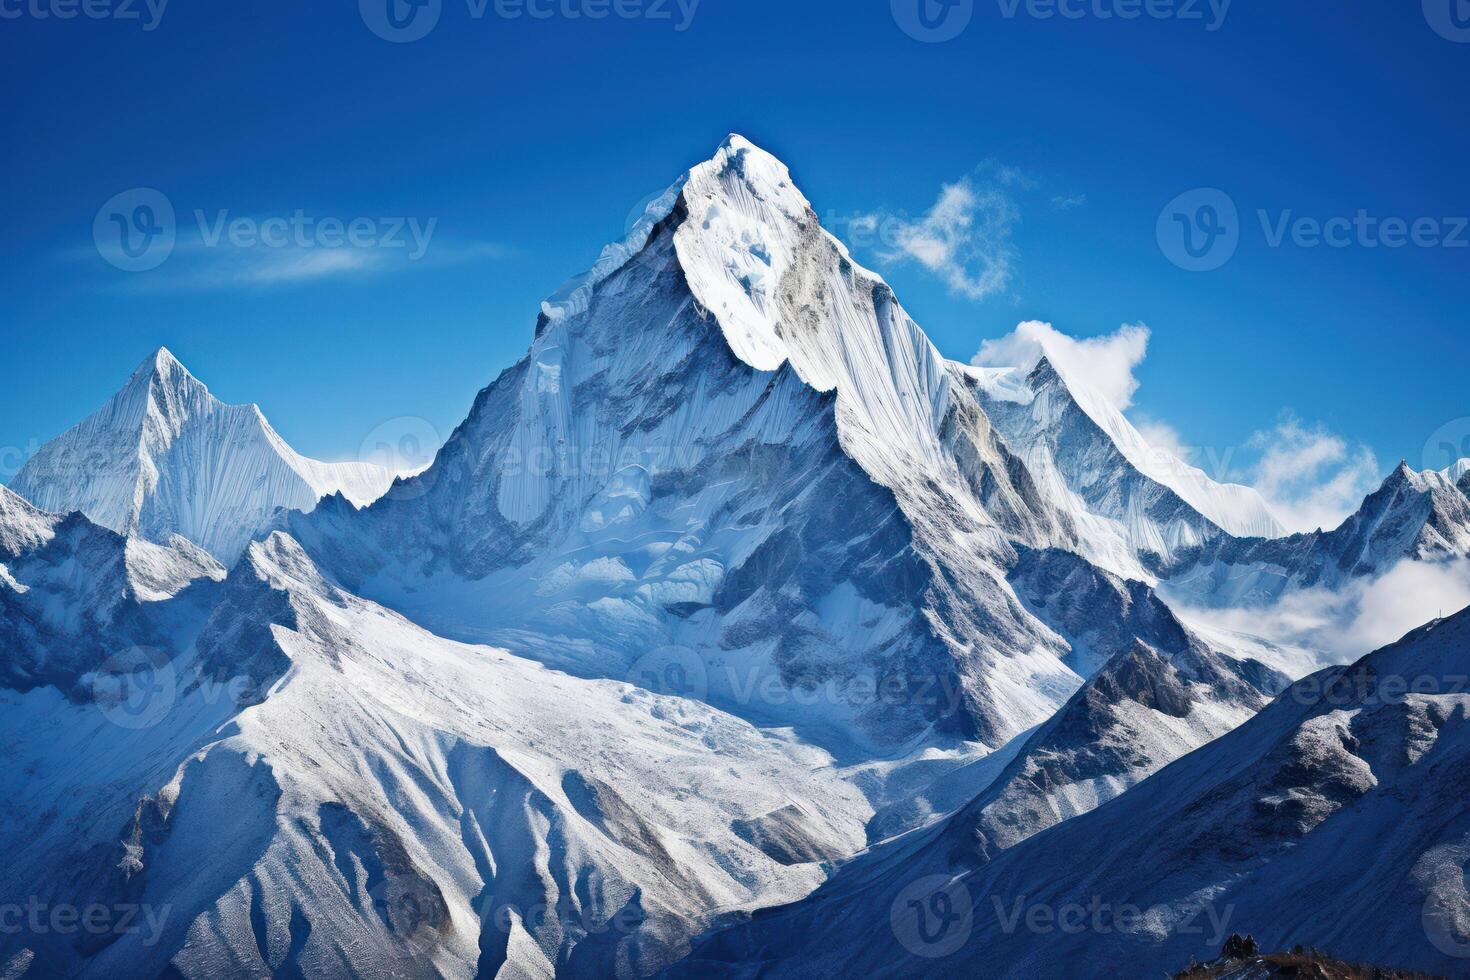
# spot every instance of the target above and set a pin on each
(166, 457)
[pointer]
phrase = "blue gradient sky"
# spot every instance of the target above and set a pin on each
(529, 140)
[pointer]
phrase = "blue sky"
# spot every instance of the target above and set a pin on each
(520, 145)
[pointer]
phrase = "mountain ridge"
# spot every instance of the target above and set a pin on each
(164, 456)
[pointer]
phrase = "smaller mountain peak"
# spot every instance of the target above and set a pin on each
(1044, 373)
(161, 362)
(162, 369)
(756, 165)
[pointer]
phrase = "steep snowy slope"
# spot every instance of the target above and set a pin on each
(729, 443)
(1155, 691)
(165, 457)
(1335, 818)
(73, 595)
(1137, 506)
(1420, 516)
(331, 791)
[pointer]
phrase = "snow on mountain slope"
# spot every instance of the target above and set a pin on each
(1136, 506)
(729, 441)
(165, 457)
(332, 791)
(73, 595)
(1415, 516)
(1335, 818)
(1155, 691)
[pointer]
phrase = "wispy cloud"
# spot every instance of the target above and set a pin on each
(1366, 615)
(1310, 477)
(966, 237)
(1106, 363)
(1065, 202)
(209, 255)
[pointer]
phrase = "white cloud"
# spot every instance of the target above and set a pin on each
(1106, 364)
(1310, 477)
(1366, 615)
(965, 238)
(1064, 202)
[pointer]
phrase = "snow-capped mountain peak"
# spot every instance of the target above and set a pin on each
(1239, 510)
(164, 456)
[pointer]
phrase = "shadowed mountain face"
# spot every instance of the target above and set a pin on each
(75, 597)
(1413, 516)
(1335, 818)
